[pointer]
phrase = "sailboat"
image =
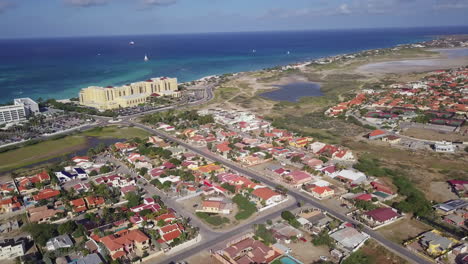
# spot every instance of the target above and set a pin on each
(146, 58)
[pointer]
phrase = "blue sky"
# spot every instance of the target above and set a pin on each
(47, 18)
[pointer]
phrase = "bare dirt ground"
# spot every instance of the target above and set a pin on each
(403, 230)
(429, 134)
(380, 255)
(440, 192)
(445, 59)
(405, 66)
(306, 251)
(203, 257)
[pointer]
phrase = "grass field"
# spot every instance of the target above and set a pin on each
(50, 149)
(116, 132)
(42, 151)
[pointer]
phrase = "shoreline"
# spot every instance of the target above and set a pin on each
(303, 62)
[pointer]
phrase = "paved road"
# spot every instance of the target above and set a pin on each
(210, 243)
(294, 193)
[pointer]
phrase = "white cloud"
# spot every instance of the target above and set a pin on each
(86, 3)
(159, 2)
(451, 4)
(344, 9)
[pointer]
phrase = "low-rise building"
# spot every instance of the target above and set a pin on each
(267, 195)
(215, 207)
(444, 147)
(349, 238)
(10, 249)
(63, 241)
(321, 192)
(246, 250)
(381, 216)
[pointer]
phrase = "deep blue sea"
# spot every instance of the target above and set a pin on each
(60, 67)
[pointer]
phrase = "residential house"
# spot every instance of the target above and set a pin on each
(215, 206)
(10, 204)
(79, 205)
(11, 249)
(42, 214)
(93, 258)
(63, 241)
(267, 196)
(460, 187)
(246, 251)
(435, 243)
(320, 192)
(376, 134)
(451, 206)
(381, 216)
(297, 177)
(349, 238)
(46, 194)
(350, 176)
(444, 147)
(170, 232)
(124, 242)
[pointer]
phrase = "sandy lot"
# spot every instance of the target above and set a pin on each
(403, 230)
(448, 58)
(429, 134)
(306, 251)
(440, 192)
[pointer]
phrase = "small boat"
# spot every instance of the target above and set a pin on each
(146, 58)
(288, 52)
(131, 43)
(253, 51)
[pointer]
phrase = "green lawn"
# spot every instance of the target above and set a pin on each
(42, 151)
(116, 132)
(31, 154)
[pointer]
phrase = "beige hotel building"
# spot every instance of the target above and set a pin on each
(129, 95)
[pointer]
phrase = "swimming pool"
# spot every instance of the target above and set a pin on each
(288, 260)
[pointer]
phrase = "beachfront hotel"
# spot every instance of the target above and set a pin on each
(129, 95)
(18, 111)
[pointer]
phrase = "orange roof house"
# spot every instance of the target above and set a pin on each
(46, 194)
(92, 201)
(267, 195)
(125, 241)
(376, 134)
(79, 205)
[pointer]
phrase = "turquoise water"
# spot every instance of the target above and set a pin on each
(287, 260)
(60, 67)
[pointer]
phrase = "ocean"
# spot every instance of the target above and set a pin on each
(60, 67)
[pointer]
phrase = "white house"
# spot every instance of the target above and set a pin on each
(316, 146)
(64, 176)
(10, 249)
(351, 176)
(444, 147)
(63, 241)
(267, 195)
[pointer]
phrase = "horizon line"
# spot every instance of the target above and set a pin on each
(239, 32)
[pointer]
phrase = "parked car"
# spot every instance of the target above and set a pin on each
(303, 239)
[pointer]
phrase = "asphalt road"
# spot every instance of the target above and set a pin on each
(398, 249)
(210, 243)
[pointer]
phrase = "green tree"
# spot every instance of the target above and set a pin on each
(67, 227)
(133, 199)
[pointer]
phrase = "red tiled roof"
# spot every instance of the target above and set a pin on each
(171, 235)
(382, 214)
(46, 194)
(264, 193)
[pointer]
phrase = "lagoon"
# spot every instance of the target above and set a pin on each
(292, 92)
